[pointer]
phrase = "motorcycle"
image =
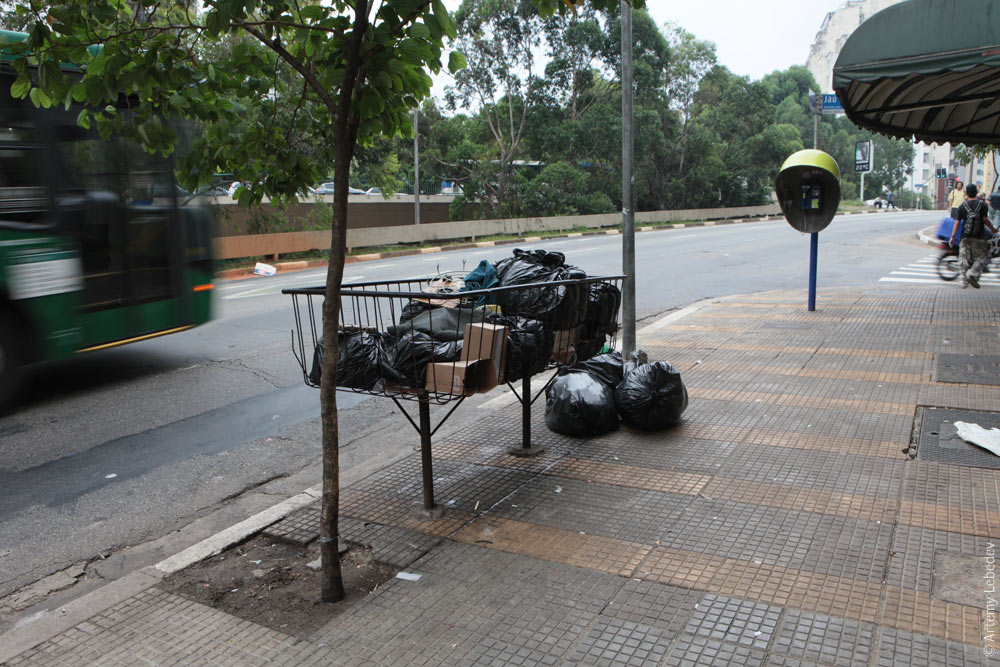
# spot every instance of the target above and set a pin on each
(947, 262)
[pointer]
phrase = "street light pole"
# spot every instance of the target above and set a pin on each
(628, 188)
(416, 170)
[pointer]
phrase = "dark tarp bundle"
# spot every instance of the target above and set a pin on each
(560, 307)
(650, 396)
(360, 355)
(579, 404)
(443, 324)
(483, 276)
(407, 357)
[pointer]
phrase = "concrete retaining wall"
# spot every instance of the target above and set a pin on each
(277, 244)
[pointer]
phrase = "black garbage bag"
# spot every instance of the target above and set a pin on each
(529, 346)
(360, 355)
(560, 306)
(608, 368)
(579, 404)
(407, 356)
(600, 320)
(651, 396)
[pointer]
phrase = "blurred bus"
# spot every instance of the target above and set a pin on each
(99, 247)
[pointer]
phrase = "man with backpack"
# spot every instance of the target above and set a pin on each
(972, 251)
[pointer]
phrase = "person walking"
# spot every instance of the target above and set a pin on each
(972, 249)
(890, 204)
(955, 199)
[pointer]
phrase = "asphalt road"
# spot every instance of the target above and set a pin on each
(125, 446)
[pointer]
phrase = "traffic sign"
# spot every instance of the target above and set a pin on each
(831, 103)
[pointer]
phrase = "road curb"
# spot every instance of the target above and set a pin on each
(50, 623)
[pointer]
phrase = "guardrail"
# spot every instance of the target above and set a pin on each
(253, 245)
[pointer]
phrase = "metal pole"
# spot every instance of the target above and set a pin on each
(813, 253)
(862, 187)
(425, 451)
(526, 412)
(628, 188)
(416, 170)
(816, 130)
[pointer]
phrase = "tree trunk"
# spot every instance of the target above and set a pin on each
(345, 136)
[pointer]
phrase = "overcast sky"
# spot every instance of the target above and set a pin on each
(752, 37)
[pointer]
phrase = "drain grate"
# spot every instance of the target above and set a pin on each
(940, 442)
(968, 368)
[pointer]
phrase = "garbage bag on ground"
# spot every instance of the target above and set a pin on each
(529, 346)
(607, 368)
(407, 356)
(360, 355)
(579, 404)
(651, 396)
(559, 306)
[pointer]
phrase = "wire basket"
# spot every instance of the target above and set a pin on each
(426, 338)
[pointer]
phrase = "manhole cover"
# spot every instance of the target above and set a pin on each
(968, 368)
(940, 442)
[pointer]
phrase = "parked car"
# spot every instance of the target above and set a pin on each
(233, 187)
(373, 191)
(327, 189)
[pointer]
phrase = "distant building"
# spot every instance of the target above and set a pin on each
(837, 27)
(833, 33)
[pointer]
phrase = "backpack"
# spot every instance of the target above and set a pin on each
(973, 227)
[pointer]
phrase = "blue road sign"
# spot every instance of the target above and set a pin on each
(831, 103)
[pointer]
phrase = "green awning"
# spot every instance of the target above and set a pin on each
(928, 69)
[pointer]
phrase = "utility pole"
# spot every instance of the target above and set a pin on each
(416, 169)
(628, 188)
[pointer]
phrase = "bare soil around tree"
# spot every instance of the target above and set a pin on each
(271, 583)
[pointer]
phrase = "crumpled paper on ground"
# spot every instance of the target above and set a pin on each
(979, 436)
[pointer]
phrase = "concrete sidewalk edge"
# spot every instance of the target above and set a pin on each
(45, 625)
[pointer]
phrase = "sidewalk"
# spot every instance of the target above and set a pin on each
(780, 524)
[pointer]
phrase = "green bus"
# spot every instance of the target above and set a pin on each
(99, 247)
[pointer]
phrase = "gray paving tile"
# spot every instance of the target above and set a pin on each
(635, 515)
(653, 450)
(157, 627)
(736, 621)
(898, 648)
(617, 642)
(823, 638)
(656, 605)
(833, 545)
(690, 651)
(911, 559)
(832, 472)
(494, 653)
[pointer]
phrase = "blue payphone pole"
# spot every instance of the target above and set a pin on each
(813, 255)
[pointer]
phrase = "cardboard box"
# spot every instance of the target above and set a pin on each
(486, 341)
(461, 377)
(564, 346)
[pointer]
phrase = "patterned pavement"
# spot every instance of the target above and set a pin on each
(782, 522)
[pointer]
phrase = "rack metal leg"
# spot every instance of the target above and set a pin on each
(526, 449)
(429, 510)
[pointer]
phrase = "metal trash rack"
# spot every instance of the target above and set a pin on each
(421, 340)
